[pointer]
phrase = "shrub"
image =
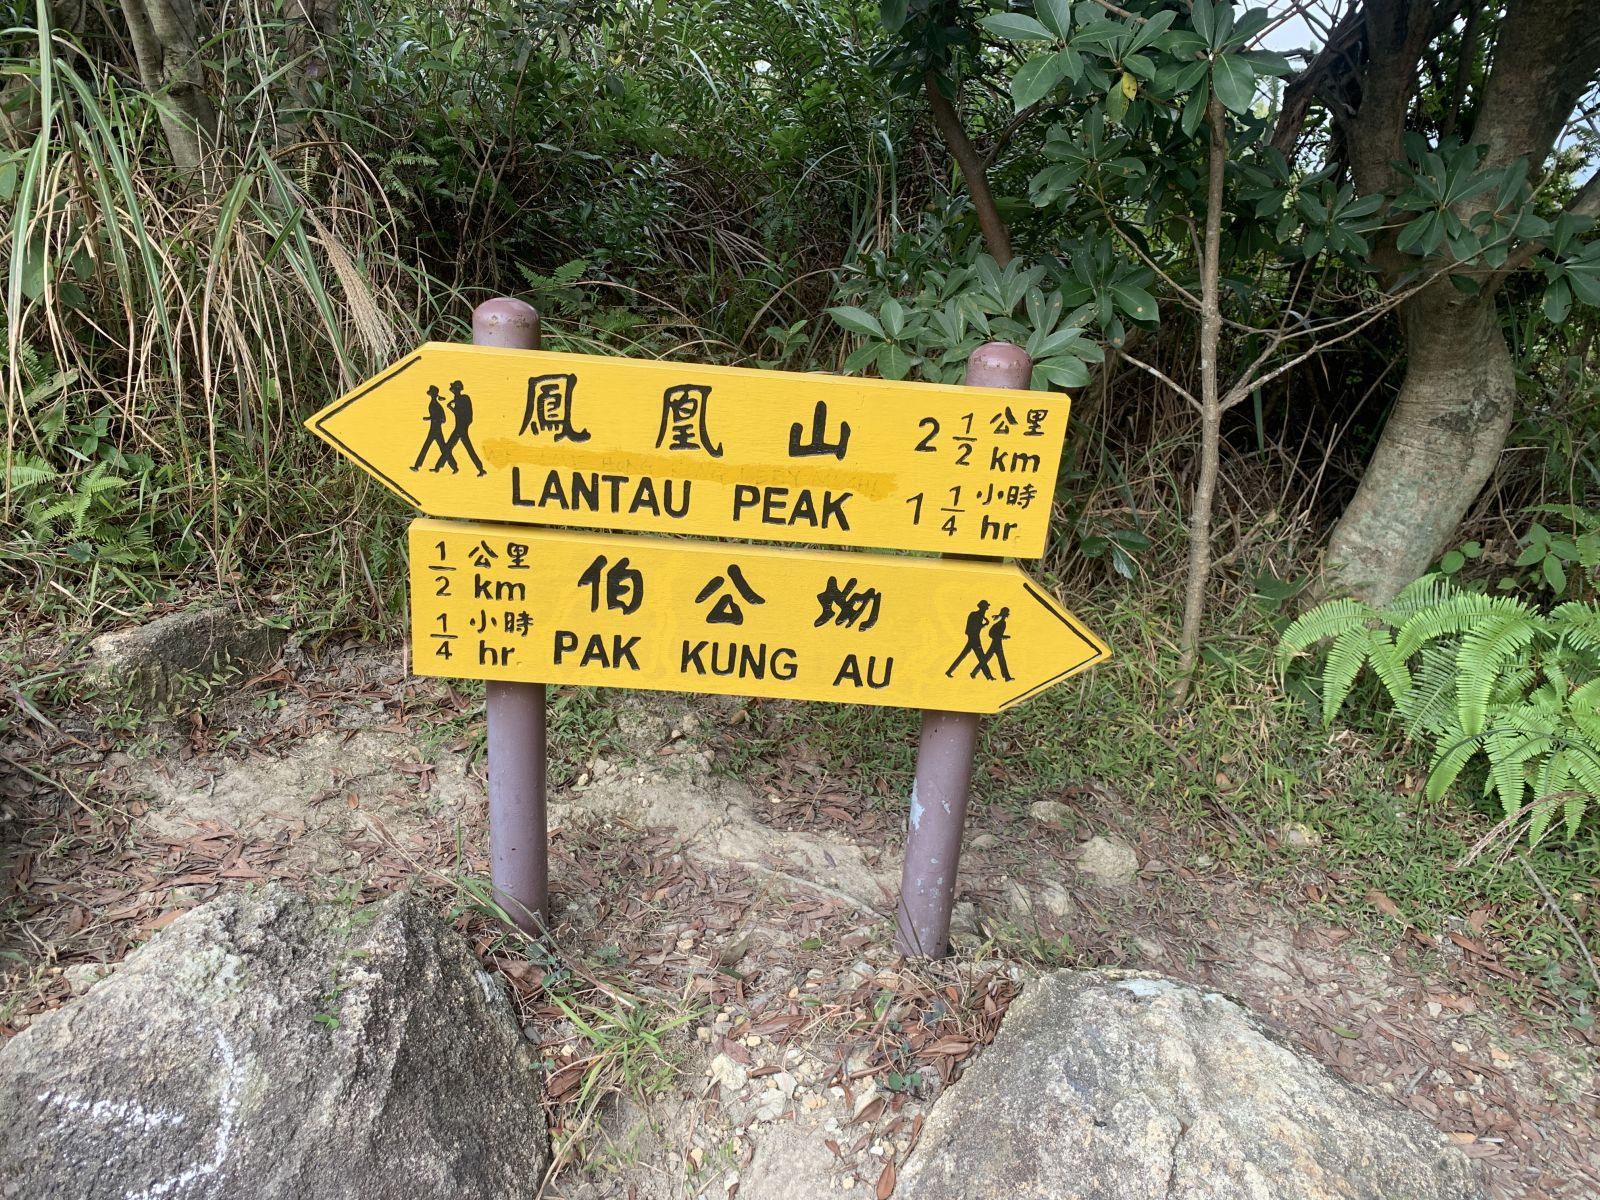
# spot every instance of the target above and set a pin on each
(1476, 675)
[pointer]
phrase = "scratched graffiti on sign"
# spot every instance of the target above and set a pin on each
(654, 447)
(498, 602)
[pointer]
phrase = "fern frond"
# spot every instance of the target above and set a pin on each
(1512, 685)
(1554, 777)
(1494, 638)
(1448, 759)
(1508, 775)
(1389, 666)
(1585, 764)
(1457, 616)
(1583, 710)
(1421, 595)
(1519, 737)
(1327, 620)
(31, 472)
(1345, 659)
(1576, 626)
(1430, 707)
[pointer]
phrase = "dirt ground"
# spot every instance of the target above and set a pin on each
(721, 1010)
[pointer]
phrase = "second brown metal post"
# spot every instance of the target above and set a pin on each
(945, 754)
(519, 867)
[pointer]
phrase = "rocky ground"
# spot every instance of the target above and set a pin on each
(720, 1010)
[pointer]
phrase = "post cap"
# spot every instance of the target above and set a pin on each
(506, 322)
(999, 365)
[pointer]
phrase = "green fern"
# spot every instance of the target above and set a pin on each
(1475, 675)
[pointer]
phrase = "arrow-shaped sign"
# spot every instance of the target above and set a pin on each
(660, 447)
(534, 606)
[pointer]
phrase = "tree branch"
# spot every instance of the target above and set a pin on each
(1464, 64)
(1163, 377)
(996, 237)
(1239, 391)
(1587, 202)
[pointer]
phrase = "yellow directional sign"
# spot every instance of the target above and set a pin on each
(534, 606)
(662, 447)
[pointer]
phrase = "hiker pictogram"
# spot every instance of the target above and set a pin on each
(460, 407)
(436, 420)
(979, 622)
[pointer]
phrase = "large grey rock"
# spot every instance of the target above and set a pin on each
(267, 1048)
(1139, 1088)
(180, 652)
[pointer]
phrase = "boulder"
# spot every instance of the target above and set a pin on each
(181, 652)
(266, 1047)
(1117, 1086)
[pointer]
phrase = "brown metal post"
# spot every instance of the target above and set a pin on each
(945, 757)
(519, 866)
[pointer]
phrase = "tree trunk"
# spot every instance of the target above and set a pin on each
(166, 41)
(996, 237)
(1437, 450)
(1197, 583)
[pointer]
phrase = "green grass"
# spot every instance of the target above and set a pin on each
(1247, 756)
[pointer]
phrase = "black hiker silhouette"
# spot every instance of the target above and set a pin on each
(976, 620)
(435, 433)
(461, 406)
(997, 650)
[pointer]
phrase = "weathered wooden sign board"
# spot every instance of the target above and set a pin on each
(526, 605)
(536, 438)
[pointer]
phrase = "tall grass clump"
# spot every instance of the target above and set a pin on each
(165, 337)
(661, 180)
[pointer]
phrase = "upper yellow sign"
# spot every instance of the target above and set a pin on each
(534, 606)
(663, 447)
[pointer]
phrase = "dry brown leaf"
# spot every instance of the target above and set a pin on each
(886, 1181)
(869, 1113)
(1386, 906)
(1467, 943)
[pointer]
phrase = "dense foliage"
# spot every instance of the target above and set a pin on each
(1176, 212)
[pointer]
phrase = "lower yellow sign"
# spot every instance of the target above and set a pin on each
(528, 605)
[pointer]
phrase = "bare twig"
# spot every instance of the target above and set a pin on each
(1163, 377)
(1566, 921)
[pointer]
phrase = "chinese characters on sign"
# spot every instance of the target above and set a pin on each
(739, 620)
(643, 446)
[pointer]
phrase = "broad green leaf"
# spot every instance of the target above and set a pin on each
(1152, 30)
(857, 320)
(1182, 43)
(1063, 372)
(1205, 21)
(1116, 102)
(1555, 574)
(893, 362)
(1135, 301)
(1530, 555)
(1194, 110)
(1423, 235)
(1557, 301)
(1266, 62)
(1056, 15)
(1035, 79)
(1235, 81)
(1585, 284)
(1016, 27)
(893, 317)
